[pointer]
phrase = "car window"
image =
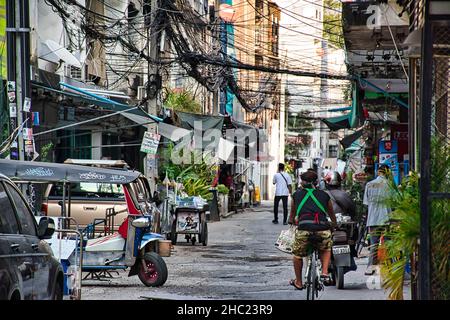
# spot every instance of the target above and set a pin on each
(89, 190)
(26, 219)
(8, 220)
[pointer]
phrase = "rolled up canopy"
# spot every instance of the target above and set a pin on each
(32, 171)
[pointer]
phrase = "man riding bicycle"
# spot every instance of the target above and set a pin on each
(309, 211)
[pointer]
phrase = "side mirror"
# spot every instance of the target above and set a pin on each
(46, 228)
(141, 222)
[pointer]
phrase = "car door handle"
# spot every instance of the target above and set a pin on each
(89, 208)
(15, 246)
(35, 246)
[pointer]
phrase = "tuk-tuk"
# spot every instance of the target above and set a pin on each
(135, 246)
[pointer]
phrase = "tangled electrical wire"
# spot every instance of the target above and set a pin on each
(126, 42)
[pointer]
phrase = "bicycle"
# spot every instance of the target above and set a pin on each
(313, 282)
(362, 235)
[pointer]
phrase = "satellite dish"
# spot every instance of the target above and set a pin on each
(62, 53)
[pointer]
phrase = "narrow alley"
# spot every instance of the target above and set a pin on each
(240, 262)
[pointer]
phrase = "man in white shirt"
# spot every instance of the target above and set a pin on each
(283, 189)
(375, 193)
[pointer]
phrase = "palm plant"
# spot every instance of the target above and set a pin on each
(404, 232)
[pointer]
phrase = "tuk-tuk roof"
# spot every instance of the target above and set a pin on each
(33, 171)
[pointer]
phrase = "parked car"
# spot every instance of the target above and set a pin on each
(28, 269)
(89, 201)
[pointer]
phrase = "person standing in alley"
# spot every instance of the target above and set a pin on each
(375, 193)
(283, 189)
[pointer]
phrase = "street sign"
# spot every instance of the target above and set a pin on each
(150, 142)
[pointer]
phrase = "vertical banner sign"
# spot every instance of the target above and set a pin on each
(150, 143)
(388, 154)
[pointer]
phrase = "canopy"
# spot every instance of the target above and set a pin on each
(33, 171)
(336, 123)
(349, 139)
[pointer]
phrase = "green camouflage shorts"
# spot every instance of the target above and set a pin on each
(300, 246)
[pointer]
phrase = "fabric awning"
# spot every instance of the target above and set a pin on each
(336, 123)
(349, 139)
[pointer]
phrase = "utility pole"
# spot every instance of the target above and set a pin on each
(151, 164)
(11, 65)
(19, 92)
(215, 38)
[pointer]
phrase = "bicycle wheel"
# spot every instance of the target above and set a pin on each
(362, 234)
(311, 279)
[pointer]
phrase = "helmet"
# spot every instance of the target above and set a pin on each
(333, 179)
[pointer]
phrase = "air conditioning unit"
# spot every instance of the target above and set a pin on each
(73, 72)
(141, 92)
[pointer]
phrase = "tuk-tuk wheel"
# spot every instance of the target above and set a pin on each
(156, 274)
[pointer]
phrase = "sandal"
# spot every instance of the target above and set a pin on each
(326, 280)
(292, 283)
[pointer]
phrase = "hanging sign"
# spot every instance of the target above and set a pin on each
(27, 105)
(12, 110)
(29, 146)
(27, 133)
(150, 142)
(35, 118)
(12, 96)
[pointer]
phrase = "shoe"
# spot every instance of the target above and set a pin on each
(369, 271)
(285, 223)
(275, 221)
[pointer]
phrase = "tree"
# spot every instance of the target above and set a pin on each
(332, 23)
(182, 101)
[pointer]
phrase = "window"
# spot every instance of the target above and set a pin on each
(332, 151)
(88, 189)
(75, 144)
(26, 219)
(8, 221)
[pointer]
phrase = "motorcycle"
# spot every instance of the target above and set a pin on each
(343, 250)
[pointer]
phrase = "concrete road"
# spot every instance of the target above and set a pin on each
(240, 262)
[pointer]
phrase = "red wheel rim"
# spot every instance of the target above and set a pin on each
(151, 275)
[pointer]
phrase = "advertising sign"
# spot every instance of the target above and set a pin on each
(150, 142)
(188, 222)
(388, 155)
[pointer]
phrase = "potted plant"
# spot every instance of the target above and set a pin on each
(222, 194)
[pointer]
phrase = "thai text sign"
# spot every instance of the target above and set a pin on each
(150, 142)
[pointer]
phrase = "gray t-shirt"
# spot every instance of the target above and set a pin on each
(374, 196)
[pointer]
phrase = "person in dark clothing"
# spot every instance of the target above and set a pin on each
(309, 211)
(342, 203)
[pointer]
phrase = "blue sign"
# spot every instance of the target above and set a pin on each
(388, 156)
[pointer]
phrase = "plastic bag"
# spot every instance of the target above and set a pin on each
(286, 239)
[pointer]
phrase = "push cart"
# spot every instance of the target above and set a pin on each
(190, 221)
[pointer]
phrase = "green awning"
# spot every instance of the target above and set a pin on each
(349, 120)
(336, 123)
